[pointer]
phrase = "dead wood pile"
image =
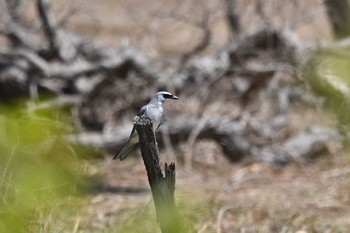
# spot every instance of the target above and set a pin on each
(241, 97)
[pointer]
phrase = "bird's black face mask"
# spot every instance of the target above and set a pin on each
(169, 96)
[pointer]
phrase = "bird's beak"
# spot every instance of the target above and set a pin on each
(174, 97)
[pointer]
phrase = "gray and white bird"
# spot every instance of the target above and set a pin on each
(154, 110)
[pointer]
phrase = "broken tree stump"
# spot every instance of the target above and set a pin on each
(162, 186)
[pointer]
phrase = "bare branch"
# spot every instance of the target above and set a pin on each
(232, 17)
(61, 43)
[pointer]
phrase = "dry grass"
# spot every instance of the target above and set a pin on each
(245, 197)
(216, 196)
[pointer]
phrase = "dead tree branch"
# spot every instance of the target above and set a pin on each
(232, 18)
(60, 45)
(44, 56)
(162, 186)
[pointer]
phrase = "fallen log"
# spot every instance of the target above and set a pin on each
(231, 135)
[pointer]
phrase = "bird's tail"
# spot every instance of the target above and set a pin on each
(127, 149)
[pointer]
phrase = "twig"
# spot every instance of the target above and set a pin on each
(8, 163)
(232, 18)
(49, 24)
(16, 35)
(60, 41)
(192, 139)
(220, 216)
(76, 225)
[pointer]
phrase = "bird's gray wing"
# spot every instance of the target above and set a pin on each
(142, 111)
(133, 133)
(161, 122)
(133, 140)
(130, 145)
(127, 149)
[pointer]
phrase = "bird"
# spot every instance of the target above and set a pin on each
(153, 110)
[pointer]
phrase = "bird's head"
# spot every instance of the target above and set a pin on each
(162, 96)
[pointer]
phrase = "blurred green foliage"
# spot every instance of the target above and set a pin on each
(328, 75)
(37, 165)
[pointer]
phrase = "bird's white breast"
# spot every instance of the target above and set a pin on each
(156, 115)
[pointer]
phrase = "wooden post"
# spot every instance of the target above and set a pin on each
(162, 187)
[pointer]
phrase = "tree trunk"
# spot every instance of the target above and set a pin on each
(162, 187)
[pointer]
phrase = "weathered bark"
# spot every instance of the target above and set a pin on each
(162, 187)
